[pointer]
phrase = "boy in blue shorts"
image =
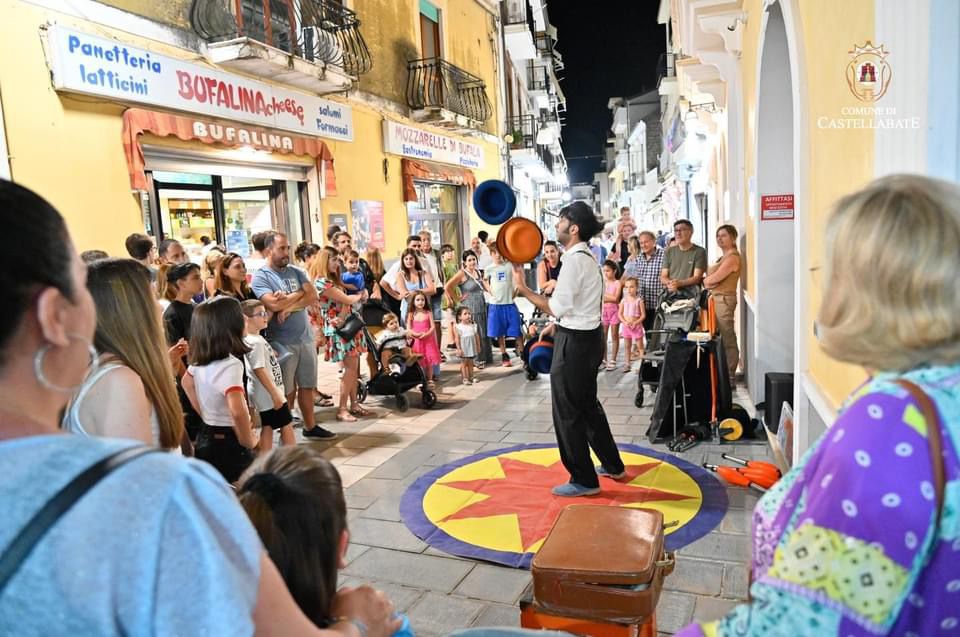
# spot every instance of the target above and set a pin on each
(503, 317)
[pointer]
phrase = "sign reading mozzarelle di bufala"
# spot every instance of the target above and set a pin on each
(88, 64)
(418, 143)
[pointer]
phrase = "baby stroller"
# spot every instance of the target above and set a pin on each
(385, 383)
(531, 330)
(677, 313)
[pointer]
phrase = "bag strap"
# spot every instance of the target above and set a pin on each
(17, 552)
(935, 440)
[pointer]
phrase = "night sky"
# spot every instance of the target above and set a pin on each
(610, 48)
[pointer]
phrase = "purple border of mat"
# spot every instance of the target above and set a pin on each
(713, 507)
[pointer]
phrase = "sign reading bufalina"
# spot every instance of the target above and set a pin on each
(91, 65)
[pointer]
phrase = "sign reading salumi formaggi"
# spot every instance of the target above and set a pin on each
(92, 65)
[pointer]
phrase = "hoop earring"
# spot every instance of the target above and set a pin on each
(42, 378)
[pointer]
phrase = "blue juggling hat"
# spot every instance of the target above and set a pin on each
(541, 357)
(494, 201)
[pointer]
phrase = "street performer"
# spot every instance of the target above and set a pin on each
(578, 417)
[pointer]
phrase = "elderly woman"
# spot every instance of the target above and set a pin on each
(122, 558)
(862, 537)
(721, 280)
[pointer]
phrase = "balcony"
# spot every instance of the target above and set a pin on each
(518, 29)
(538, 85)
(546, 51)
(442, 94)
(666, 74)
(313, 45)
(525, 153)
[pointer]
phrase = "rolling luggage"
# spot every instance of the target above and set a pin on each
(603, 563)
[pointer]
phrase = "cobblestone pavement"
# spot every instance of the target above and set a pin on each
(379, 458)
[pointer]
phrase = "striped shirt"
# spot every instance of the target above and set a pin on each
(647, 270)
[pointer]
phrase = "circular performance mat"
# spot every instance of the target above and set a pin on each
(497, 505)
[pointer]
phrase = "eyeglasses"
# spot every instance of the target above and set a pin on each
(261, 314)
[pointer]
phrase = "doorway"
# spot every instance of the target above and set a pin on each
(770, 324)
(437, 210)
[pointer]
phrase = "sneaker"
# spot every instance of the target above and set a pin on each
(319, 433)
(466, 381)
(506, 361)
(574, 490)
(475, 381)
(603, 473)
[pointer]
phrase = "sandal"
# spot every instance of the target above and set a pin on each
(323, 402)
(360, 412)
(324, 396)
(345, 416)
(627, 368)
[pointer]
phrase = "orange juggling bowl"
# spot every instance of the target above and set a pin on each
(519, 240)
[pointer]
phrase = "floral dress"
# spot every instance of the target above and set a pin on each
(337, 348)
(843, 544)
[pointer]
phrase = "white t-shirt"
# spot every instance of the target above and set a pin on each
(214, 381)
(261, 355)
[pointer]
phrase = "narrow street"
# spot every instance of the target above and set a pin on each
(379, 459)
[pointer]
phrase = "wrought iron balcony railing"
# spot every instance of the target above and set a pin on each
(435, 83)
(518, 12)
(523, 129)
(538, 79)
(321, 31)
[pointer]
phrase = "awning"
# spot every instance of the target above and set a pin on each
(412, 169)
(138, 121)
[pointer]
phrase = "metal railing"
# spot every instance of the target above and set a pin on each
(544, 45)
(435, 83)
(517, 12)
(538, 79)
(320, 31)
(523, 129)
(666, 66)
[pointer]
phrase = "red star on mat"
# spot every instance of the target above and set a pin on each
(525, 491)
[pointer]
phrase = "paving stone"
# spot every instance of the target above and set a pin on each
(709, 609)
(387, 507)
(719, 546)
(440, 614)
(354, 551)
(674, 611)
(700, 577)
(372, 457)
(359, 501)
(410, 569)
(350, 474)
(737, 521)
(488, 424)
(480, 435)
(735, 578)
(531, 426)
(498, 615)
(402, 597)
(359, 441)
(492, 446)
(518, 437)
(371, 486)
(402, 464)
(446, 457)
(385, 534)
(494, 584)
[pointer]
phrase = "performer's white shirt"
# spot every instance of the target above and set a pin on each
(578, 296)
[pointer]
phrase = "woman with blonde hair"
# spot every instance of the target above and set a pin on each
(132, 393)
(208, 271)
(335, 305)
(862, 536)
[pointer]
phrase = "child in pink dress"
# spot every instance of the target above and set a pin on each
(420, 323)
(632, 314)
(610, 315)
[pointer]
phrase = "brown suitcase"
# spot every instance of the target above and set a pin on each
(602, 562)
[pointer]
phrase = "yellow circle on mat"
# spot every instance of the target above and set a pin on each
(503, 526)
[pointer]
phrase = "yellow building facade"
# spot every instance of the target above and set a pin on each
(787, 120)
(66, 139)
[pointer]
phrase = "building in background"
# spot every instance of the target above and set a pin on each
(763, 130)
(637, 137)
(186, 119)
(601, 186)
(534, 107)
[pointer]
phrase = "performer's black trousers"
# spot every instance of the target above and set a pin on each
(578, 417)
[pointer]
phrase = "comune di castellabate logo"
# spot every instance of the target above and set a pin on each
(868, 73)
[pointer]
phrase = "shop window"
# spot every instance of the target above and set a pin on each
(227, 209)
(437, 210)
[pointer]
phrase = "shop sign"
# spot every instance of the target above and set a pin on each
(776, 207)
(83, 63)
(418, 143)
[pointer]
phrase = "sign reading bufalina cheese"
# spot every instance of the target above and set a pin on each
(419, 143)
(92, 65)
